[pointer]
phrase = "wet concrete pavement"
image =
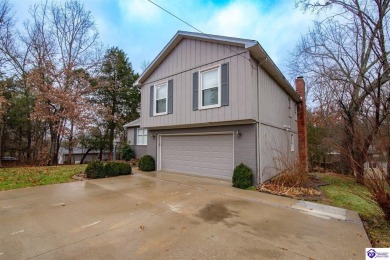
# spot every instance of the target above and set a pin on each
(169, 216)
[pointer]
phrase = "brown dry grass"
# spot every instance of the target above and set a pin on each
(294, 181)
(378, 184)
(289, 191)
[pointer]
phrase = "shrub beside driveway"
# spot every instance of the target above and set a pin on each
(22, 177)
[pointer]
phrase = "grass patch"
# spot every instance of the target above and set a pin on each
(22, 177)
(251, 188)
(344, 192)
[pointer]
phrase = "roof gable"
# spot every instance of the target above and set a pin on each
(179, 36)
(252, 46)
(134, 123)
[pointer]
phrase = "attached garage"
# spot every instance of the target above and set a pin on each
(204, 155)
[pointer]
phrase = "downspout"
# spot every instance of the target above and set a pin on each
(258, 136)
(258, 151)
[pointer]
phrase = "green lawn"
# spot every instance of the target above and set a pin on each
(21, 177)
(344, 192)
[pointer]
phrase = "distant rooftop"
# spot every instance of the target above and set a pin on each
(136, 122)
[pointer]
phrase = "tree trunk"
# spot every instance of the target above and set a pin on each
(57, 150)
(85, 155)
(100, 153)
(29, 142)
(359, 172)
(358, 158)
(347, 162)
(70, 146)
(53, 146)
(20, 144)
(111, 142)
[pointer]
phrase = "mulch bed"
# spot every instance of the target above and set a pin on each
(306, 191)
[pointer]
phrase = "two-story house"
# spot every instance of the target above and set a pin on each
(212, 102)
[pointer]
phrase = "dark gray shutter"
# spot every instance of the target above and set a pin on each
(225, 84)
(151, 97)
(195, 91)
(135, 136)
(170, 96)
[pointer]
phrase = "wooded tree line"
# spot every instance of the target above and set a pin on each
(58, 87)
(345, 59)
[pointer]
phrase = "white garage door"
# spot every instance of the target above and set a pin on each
(205, 155)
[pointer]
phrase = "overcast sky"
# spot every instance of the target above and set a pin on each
(142, 29)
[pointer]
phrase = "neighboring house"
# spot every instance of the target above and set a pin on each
(78, 153)
(377, 160)
(137, 137)
(212, 102)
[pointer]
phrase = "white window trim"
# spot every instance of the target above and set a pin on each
(201, 92)
(155, 99)
(143, 135)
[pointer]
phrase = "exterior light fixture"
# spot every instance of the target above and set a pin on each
(238, 133)
(287, 127)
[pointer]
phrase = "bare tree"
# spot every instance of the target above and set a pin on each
(6, 24)
(51, 61)
(66, 38)
(346, 57)
(76, 35)
(144, 65)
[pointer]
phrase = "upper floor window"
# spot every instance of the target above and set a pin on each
(161, 94)
(142, 136)
(210, 86)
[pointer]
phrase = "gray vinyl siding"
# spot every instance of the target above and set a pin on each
(244, 146)
(190, 56)
(253, 95)
(130, 136)
(274, 139)
(140, 150)
(275, 151)
(273, 102)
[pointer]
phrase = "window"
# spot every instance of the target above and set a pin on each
(142, 136)
(210, 88)
(160, 94)
(292, 143)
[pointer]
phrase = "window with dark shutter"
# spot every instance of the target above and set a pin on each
(161, 99)
(210, 86)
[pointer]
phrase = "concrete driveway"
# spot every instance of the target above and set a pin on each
(170, 216)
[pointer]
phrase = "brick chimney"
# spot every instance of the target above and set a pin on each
(302, 129)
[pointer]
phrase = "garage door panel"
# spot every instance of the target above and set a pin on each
(206, 155)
